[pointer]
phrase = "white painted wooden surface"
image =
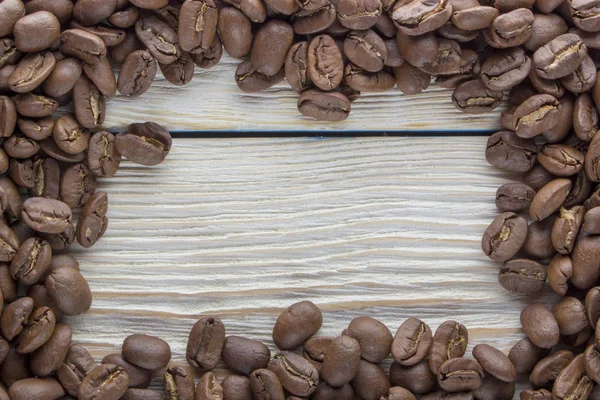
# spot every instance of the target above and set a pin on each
(212, 101)
(242, 228)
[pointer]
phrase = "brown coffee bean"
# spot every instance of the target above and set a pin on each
(36, 129)
(254, 9)
(235, 32)
(417, 378)
(370, 381)
(144, 143)
(103, 157)
(366, 50)
(124, 18)
(31, 261)
(50, 356)
(180, 72)
(560, 159)
(363, 81)
(7, 285)
(450, 341)
(324, 106)
(570, 314)
(505, 69)
(89, 104)
(358, 14)
(15, 203)
(236, 387)
(325, 64)
(92, 222)
(552, 87)
(559, 57)
(315, 349)
(46, 178)
(341, 361)
(460, 375)
(207, 59)
(137, 73)
(250, 81)
(36, 31)
(549, 198)
(510, 29)
(76, 366)
(245, 355)
(69, 290)
(536, 115)
(592, 362)
(585, 117)
(296, 67)
(522, 276)
(104, 382)
(504, 237)
(495, 362)
(374, 337)
(492, 387)
(265, 385)
(148, 352)
(15, 317)
(205, 343)
(21, 172)
(474, 18)
(69, 136)
(179, 384)
(102, 75)
(548, 368)
(10, 12)
(538, 244)
(586, 262)
(573, 381)
(592, 305)
(565, 229)
(8, 116)
(560, 271)
(9, 245)
(34, 106)
(443, 395)
(36, 388)
(323, 19)
(138, 377)
(583, 78)
(296, 324)
(83, 45)
(412, 342)
(18, 146)
(417, 18)
(514, 197)
(399, 393)
(296, 375)
(197, 25)
(160, 39)
(37, 331)
(539, 325)
(474, 97)
(31, 72)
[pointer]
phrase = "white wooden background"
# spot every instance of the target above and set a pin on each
(242, 228)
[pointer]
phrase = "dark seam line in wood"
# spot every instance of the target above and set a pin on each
(321, 134)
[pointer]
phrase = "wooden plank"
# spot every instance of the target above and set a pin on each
(243, 228)
(213, 102)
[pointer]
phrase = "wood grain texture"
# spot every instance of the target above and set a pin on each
(243, 228)
(213, 102)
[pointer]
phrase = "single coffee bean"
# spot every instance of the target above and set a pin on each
(296, 375)
(566, 228)
(31, 261)
(323, 19)
(573, 381)
(366, 50)
(296, 67)
(412, 342)
(250, 81)
(592, 362)
(583, 78)
(474, 18)
(124, 18)
(31, 72)
(62, 9)
(104, 382)
(102, 75)
(570, 314)
(416, 18)
(8, 116)
(363, 81)
(559, 57)
(504, 237)
(236, 387)
(538, 244)
(69, 290)
(495, 362)
(235, 32)
(450, 341)
(370, 381)
(548, 368)
(60, 241)
(89, 104)
(110, 36)
(69, 136)
(38, 330)
(460, 375)
(148, 352)
(245, 355)
(505, 69)
(510, 29)
(131, 43)
(359, 14)
(10, 12)
(324, 106)
(207, 59)
(580, 191)
(522, 276)
(15, 317)
(83, 45)
(315, 349)
(35, 106)
(254, 9)
(179, 384)
(91, 12)
(77, 185)
(197, 25)
(398, 393)
(14, 368)
(18, 146)
(76, 366)
(539, 325)
(553, 87)
(265, 385)
(536, 115)
(36, 388)
(341, 361)
(417, 378)
(586, 262)
(492, 387)
(209, 388)
(584, 15)
(21, 172)
(205, 343)
(102, 156)
(50, 148)
(92, 222)
(475, 98)
(560, 159)
(591, 223)
(144, 143)
(549, 198)
(49, 357)
(9, 245)
(325, 63)
(36, 31)
(138, 377)
(137, 73)
(162, 41)
(514, 197)
(38, 129)
(296, 324)
(374, 338)
(585, 117)
(592, 305)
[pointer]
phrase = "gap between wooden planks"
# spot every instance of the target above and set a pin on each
(242, 228)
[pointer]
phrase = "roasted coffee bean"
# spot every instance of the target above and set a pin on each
(592, 362)
(474, 97)
(460, 375)
(91, 12)
(326, 392)
(585, 117)
(21, 172)
(560, 159)
(592, 305)
(307, 22)
(104, 382)
(359, 14)
(144, 143)
(296, 375)
(592, 168)
(417, 378)
(46, 178)
(510, 29)
(570, 314)
(83, 45)
(10, 54)
(207, 59)
(394, 58)
(265, 385)
(573, 381)
(591, 223)
(580, 191)
(8, 116)
(324, 106)
(450, 341)
(325, 65)
(548, 368)
(366, 50)
(92, 222)
(37, 331)
(493, 388)
(7, 285)
(248, 80)
(148, 352)
(69, 290)
(131, 43)
(553, 87)
(50, 356)
(197, 25)
(583, 78)
(474, 18)
(539, 325)
(296, 67)
(160, 39)
(412, 342)
(76, 366)
(363, 81)
(31, 261)
(374, 337)
(341, 361)
(296, 324)
(522, 276)
(536, 115)
(495, 362)
(36, 388)
(566, 227)
(138, 377)
(504, 237)
(50, 148)
(235, 32)
(102, 75)
(179, 384)
(208, 388)
(15, 203)
(370, 381)
(505, 69)
(245, 355)
(103, 157)
(31, 71)
(315, 349)
(418, 50)
(584, 15)
(69, 136)
(559, 57)
(180, 72)
(15, 317)
(10, 12)
(514, 197)
(416, 17)
(538, 244)
(15, 367)
(124, 18)
(236, 387)
(560, 271)
(36, 31)
(398, 393)
(62, 9)
(549, 198)
(77, 185)
(411, 80)
(37, 129)
(586, 262)
(21, 147)
(137, 73)
(89, 103)
(110, 36)
(205, 343)
(254, 9)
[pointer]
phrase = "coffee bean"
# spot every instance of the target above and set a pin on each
(341, 361)
(124, 18)
(89, 104)
(160, 39)
(8, 116)
(296, 67)
(50, 148)
(505, 69)
(592, 305)
(207, 59)
(69, 136)
(9, 245)
(549, 198)
(559, 57)
(583, 78)
(492, 387)
(265, 385)
(197, 25)
(474, 97)
(570, 314)
(15, 317)
(552, 87)
(49, 357)
(585, 117)
(249, 80)
(359, 14)
(325, 65)
(370, 381)
(307, 22)
(573, 380)
(179, 384)
(504, 237)
(474, 18)
(460, 375)
(10, 12)
(69, 290)
(450, 341)
(103, 157)
(32, 71)
(560, 159)
(148, 352)
(514, 197)
(296, 375)
(15, 203)
(137, 73)
(539, 325)
(510, 29)
(538, 244)
(21, 147)
(145, 144)
(14, 368)
(324, 106)
(416, 18)
(548, 368)
(102, 75)
(245, 355)
(235, 32)
(31, 261)
(495, 362)
(412, 342)
(417, 378)
(522, 276)
(536, 115)
(110, 36)
(36, 31)
(76, 366)
(366, 50)
(586, 262)
(398, 393)
(138, 377)
(236, 387)
(37, 331)
(83, 45)
(92, 222)
(77, 185)
(105, 381)
(374, 337)
(37, 129)
(315, 349)
(36, 388)
(7, 285)
(540, 394)
(566, 227)
(131, 43)
(592, 362)
(560, 271)
(205, 343)
(363, 81)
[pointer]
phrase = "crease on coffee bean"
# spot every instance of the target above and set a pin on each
(362, 41)
(535, 116)
(292, 370)
(413, 22)
(171, 386)
(30, 73)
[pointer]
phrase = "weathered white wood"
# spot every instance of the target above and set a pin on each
(242, 228)
(212, 101)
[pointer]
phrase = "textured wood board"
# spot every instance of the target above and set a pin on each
(242, 228)
(213, 102)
